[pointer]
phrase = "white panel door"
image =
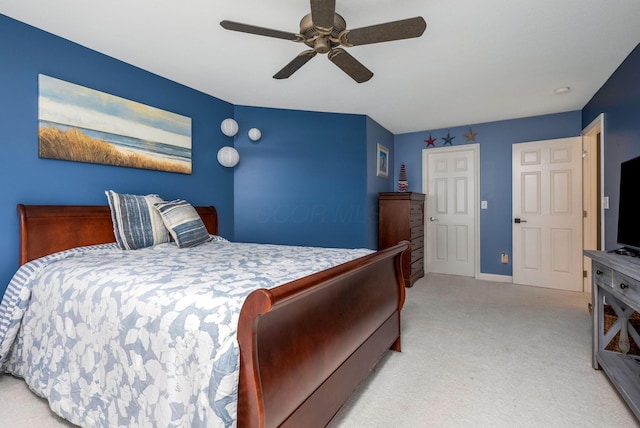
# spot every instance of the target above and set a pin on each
(449, 177)
(547, 213)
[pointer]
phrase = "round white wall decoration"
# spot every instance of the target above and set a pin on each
(228, 156)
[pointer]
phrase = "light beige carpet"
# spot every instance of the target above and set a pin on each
(487, 354)
(475, 354)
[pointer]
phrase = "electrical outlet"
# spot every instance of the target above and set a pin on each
(504, 258)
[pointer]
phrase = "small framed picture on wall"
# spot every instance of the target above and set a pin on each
(383, 161)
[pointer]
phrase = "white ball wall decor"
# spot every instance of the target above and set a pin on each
(229, 127)
(228, 157)
(254, 134)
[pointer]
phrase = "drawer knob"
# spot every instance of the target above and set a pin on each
(599, 272)
(623, 285)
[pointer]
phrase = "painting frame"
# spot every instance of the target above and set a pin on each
(81, 124)
(382, 161)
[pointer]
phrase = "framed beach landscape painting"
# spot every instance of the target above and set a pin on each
(84, 125)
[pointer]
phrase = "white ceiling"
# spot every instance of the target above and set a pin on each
(478, 61)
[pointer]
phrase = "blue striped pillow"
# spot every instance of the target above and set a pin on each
(136, 222)
(184, 223)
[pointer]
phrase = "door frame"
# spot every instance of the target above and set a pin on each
(590, 145)
(475, 148)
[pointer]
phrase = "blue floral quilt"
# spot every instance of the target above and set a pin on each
(144, 338)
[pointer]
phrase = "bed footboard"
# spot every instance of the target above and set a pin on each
(306, 345)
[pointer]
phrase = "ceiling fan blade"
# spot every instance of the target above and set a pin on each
(322, 15)
(295, 65)
(396, 30)
(350, 65)
(261, 31)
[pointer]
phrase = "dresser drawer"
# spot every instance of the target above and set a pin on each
(417, 231)
(417, 243)
(415, 221)
(417, 254)
(602, 275)
(417, 267)
(626, 286)
(415, 210)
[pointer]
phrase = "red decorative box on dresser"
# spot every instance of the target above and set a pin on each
(401, 218)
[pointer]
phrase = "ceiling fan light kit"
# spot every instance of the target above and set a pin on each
(325, 32)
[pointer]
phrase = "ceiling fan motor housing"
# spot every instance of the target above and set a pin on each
(322, 40)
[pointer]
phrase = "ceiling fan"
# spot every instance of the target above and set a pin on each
(324, 31)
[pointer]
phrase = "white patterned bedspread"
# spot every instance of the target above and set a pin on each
(142, 338)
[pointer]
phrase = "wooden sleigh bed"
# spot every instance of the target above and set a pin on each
(304, 346)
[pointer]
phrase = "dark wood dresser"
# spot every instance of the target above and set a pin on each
(401, 218)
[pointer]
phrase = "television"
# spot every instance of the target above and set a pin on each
(629, 206)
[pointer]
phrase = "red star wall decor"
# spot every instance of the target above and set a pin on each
(431, 141)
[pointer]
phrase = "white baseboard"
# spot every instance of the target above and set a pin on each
(495, 278)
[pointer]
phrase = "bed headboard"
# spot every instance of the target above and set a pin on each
(46, 229)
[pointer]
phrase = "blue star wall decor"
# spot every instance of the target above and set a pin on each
(431, 141)
(447, 139)
(470, 136)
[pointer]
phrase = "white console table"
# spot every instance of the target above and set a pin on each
(616, 281)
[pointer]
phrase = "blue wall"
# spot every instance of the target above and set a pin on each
(376, 134)
(305, 181)
(619, 100)
(495, 139)
(24, 53)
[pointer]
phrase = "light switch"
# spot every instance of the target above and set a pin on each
(605, 203)
(483, 205)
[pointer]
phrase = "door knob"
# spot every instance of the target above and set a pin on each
(433, 219)
(517, 220)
